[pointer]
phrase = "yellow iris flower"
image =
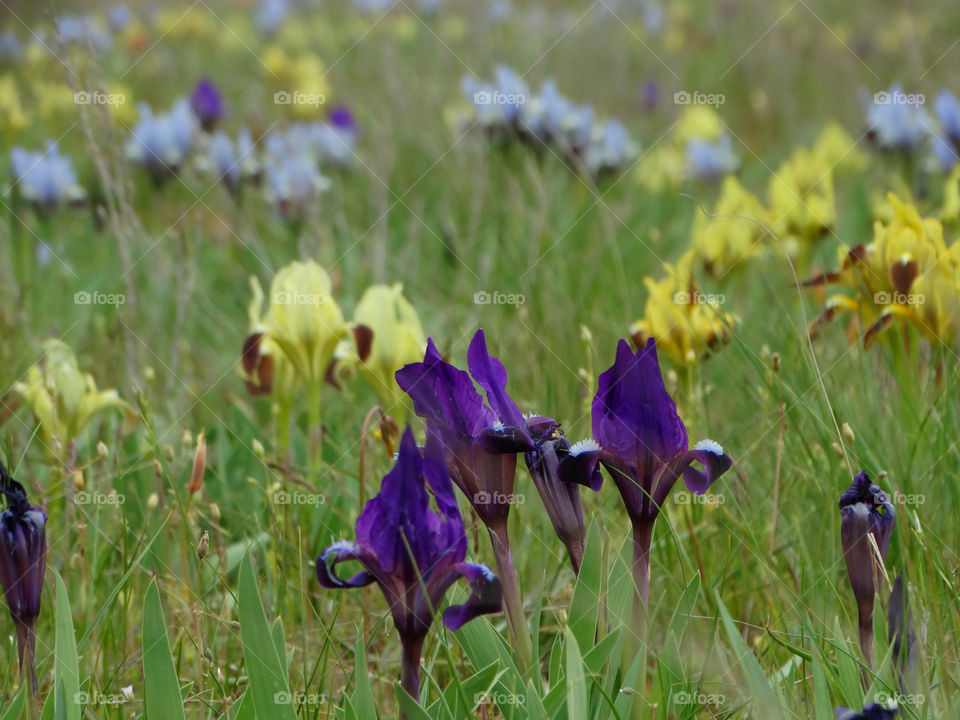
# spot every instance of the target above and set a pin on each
(12, 116)
(686, 323)
(398, 339)
(732, 233)
(301, 78)
(907, 272)
(802, 204)
(64, 399)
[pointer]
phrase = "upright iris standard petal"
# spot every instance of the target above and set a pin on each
(644, 445)
(23, 557)
(481, 442)
(446, 396)
(414, 553)
(634, 416)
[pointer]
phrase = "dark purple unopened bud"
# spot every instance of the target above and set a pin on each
(207, 104)
(558, 469)
(865, 511)
(23, 556)
(872, 712)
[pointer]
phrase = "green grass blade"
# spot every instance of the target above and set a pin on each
(269, 688)
(161, 688)
(67, 703)
(576, 680)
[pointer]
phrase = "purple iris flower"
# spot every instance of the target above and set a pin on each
(872, 712)
(23, 558)
(645, 447)
(481, 441)
(341, 117)
(207, 104)
(864, 511)
(558, 470)
(413, 552)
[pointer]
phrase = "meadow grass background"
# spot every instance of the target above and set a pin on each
(449, 216)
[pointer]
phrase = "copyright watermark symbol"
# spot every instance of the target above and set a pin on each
(898, 298)
(99, 98)
(298, 98)
(98, 298)
(885, 97)
(282, 497)
(85, 497)
(298, 698)
(483, 297)
(498, 698)
(498, 498)
(699, 698)
(299, 298)
(680, 497)
(495, 97)
(685, 97)
(894, 699)
(698, 298)
(96, 697)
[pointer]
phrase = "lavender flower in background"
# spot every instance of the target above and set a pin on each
(946, 145)
(83, 30)
(11, 49)
(896, 121)
(23, 560)
(709, 160)
(948, 110)
(373, 6)
(558, 470)
(866, 514)
(160, 142)
(610, 148)
(293, 180)
(499, 11)
(945, 153)
(231, 162)
(497, 105)
(271, 14)
(414, 553)
(119, 16)
(45, 179)
(506, 110)
(650, 95)
(644, 446)
(207, 104)
(481, 441)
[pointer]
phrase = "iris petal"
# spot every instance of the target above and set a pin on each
(715, 463)
(337, 553)
(486, 596)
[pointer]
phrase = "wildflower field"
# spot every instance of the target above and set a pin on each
(513, 359)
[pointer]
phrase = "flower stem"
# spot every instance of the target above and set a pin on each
(410, 678)
(642, 536)
(865, 631)
(575, 553)
(26, 647)
(315, 430)
(512, 599)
